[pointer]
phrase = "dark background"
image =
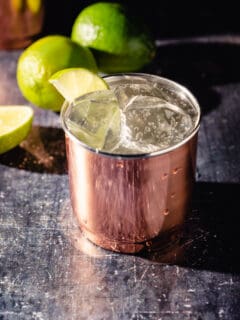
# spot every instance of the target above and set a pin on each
(180, 56)
(165, 19)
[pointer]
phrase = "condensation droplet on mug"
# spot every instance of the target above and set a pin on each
(164, 176)
(176, 170)
(148, 243)
(119, 164)
(166, 212)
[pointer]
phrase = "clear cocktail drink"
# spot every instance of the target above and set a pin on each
(131, 158)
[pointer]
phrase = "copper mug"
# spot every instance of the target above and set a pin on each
(21, 22)
(127, 203)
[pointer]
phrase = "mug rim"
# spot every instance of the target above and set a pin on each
(178, 87)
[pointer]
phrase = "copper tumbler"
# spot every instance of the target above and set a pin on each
(21, 21)
(127, 203)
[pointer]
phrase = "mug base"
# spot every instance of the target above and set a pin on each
(162, 244)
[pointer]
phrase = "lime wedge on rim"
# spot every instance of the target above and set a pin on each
(75, 82)
(15, 124)
(96, 114)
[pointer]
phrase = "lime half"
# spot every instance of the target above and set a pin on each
(41, 60)
(75, 82)
(15, 124)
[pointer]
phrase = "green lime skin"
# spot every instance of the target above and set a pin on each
(41, 60)
(119, 41)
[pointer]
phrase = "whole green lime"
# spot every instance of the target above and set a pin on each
(120, 42)
(41, 60)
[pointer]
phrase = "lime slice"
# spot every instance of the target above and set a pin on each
(15, 124)
(95, 115)
(75, 82)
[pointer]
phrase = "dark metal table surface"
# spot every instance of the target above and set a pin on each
(49, 271)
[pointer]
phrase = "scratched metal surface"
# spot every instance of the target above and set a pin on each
(49, 271)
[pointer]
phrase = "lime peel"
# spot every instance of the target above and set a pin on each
(15, 124)
(121, 42)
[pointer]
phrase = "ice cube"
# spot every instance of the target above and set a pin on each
(152, 124)
(130, 94)
(94, 117)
